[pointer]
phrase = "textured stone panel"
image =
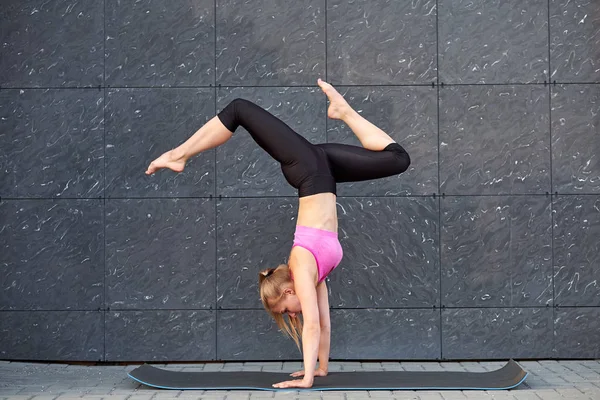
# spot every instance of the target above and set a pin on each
(574, 41)
(51, 43)
(385, 334)
(577, 332)
(391, 253)
(267, 42)
(52, 335)
(51, 254)
(497, 333)
(575, 138)
(577, 250)
(493, 41)
(160, 43)
(160, 254)
(153, 335)
(496, 251)
(381, 42)
(494, 140)
(51, 143)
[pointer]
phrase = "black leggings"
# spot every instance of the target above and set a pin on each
(308, 167)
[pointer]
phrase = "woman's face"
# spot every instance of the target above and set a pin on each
(289, 304)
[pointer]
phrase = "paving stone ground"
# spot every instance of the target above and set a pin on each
(547, 380)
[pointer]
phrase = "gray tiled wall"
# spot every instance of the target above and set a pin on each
(486, 248)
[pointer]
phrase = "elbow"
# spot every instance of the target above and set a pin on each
(312, 327)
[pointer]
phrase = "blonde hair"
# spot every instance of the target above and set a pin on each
(271, 282)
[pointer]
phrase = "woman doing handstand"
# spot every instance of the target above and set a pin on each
(299, 286)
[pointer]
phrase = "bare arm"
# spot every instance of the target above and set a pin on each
(304, 286)
(304, 268)
(325, 336)
(325, 324)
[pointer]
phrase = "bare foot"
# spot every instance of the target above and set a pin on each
(171, 159)
(338, 107)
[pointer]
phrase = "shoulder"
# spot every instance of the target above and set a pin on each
(302, 263)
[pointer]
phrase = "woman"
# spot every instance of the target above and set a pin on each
(314, 170)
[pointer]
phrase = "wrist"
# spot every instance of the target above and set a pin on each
(308, 380)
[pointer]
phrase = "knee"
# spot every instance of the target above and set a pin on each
(238, 103)
(232, 111)
(405, 161)
(234, 104)
(231, 114)
(241, 107)
(402, 157)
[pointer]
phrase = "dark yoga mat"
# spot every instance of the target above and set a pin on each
(509, 376)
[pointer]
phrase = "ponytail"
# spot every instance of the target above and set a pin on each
(271, 282)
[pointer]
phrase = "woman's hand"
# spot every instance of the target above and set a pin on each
(318, 372)
(299, 383)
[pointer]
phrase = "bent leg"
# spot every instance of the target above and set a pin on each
(369, 135)
(353, 163)
(210, 135)
(268, 131)
(273, 135)
(380, 155)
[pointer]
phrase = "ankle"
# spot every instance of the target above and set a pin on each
(178, 153)
(349, 115)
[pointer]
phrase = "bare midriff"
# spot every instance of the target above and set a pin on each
(318, 211)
